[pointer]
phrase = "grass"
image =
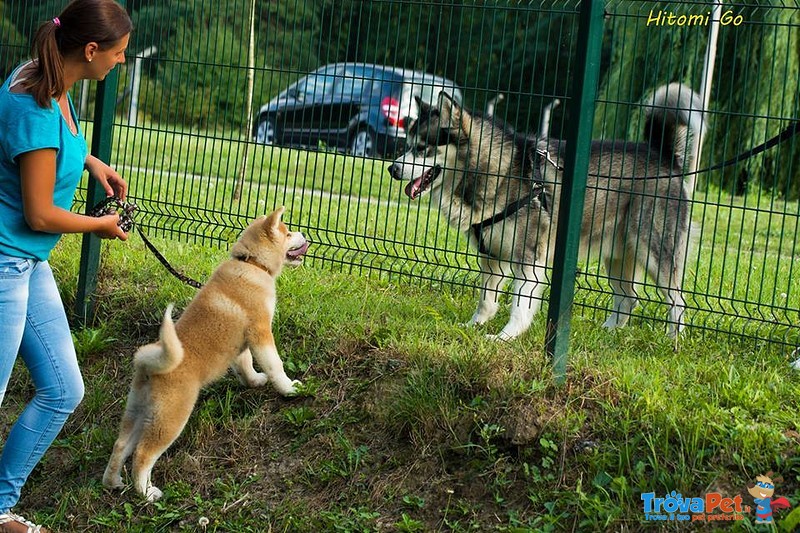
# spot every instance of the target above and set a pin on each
(409, 422)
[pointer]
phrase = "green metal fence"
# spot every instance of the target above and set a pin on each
(187, 132)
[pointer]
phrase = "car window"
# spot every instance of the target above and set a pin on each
(316, 86)
(350, 86)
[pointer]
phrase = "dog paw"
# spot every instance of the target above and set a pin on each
(500, 337)
(289, 388)
(258, 379)
(611, 323)
(674, 330)
(153, 493)
(113, 482)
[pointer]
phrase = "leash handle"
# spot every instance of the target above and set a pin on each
(113, 205)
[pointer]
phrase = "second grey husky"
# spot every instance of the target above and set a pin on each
(502, 189)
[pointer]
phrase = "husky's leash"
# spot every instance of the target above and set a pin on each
(790, 131)
(112, 205)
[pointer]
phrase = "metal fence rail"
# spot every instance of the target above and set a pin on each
(191, 146)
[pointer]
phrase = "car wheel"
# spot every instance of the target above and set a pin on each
(265, 132)
(363, 143)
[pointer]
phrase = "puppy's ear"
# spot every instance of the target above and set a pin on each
(273, 219)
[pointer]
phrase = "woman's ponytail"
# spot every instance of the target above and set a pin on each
(47, 80)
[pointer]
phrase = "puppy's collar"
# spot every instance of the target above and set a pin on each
(251, 261)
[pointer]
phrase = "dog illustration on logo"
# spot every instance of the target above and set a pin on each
(762, 493)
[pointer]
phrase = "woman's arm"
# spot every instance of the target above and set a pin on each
(38, 172)
(112, 182)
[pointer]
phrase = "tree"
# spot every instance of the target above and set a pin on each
(15, 46)
(755, 85)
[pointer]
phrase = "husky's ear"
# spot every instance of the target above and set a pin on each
(425, 109)
(273, 219)
(449, 109)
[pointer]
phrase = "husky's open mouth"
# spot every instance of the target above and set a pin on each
(296, 254)
(421, 184)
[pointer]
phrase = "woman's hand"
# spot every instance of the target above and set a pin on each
(109, 228)
(112, 182)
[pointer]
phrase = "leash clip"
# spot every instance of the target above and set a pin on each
(546, 154)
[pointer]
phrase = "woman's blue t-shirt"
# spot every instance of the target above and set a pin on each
(24, 127)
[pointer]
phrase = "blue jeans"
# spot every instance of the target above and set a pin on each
(34, 326)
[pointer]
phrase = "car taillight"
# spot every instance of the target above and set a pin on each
(391, 110)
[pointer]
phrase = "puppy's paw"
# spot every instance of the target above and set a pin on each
(293, 389)
(153, 493)
(258, 379)
(111, 481)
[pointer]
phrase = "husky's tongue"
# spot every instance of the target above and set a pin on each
(297, 252)
(413, 188)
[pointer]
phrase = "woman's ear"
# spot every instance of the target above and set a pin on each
(90, 50)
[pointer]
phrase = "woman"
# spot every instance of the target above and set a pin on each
(42, 156)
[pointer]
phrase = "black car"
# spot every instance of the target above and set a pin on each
(358, 107)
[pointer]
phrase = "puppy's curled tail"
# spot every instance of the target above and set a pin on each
(162, 357)
(674, 124)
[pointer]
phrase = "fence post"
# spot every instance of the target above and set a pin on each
(105, 104)
(583, 93)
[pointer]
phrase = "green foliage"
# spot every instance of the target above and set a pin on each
(91, 341)
(421, 428)
(14, 46)
(761, 58)
(408, 524)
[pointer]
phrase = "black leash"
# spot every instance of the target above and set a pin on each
(163, 260)
(786, 134)
(112, 205)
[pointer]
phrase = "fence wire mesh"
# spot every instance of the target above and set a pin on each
(210, 133)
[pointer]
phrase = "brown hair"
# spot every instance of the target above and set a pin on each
(83, 21)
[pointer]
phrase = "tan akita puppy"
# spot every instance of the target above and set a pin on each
(226, 325)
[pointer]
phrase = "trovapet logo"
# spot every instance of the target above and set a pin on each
(714, 506)
(711, 507)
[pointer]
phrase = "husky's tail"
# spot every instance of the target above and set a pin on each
(674, 125)
(162, 357)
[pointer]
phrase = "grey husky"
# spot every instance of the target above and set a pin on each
(502, 188)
